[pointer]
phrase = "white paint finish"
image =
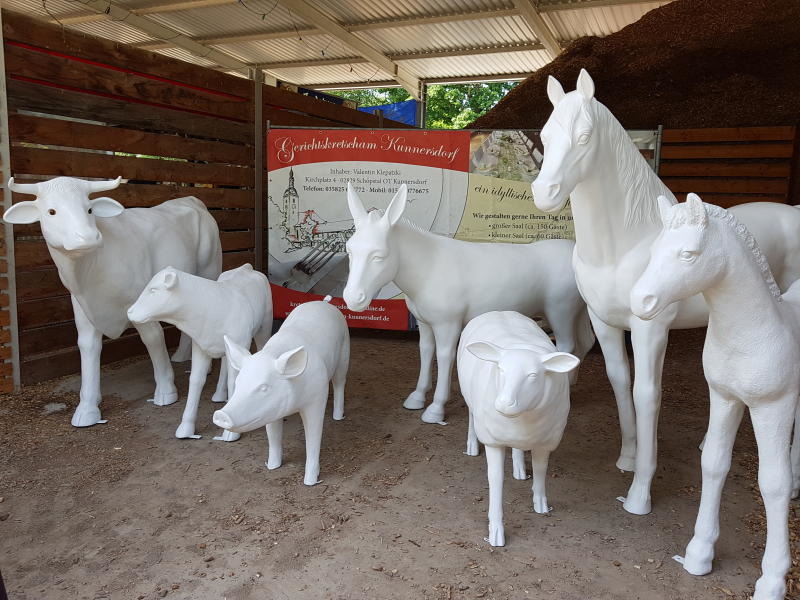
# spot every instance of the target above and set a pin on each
(750, 360)
(516, 385)
(290, 375)
(238, 305)
(590, 159)
(448, 282)
(105, 255)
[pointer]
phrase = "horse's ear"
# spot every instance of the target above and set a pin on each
(554, 90)
(697, 211)
(585, 85)
(354, 204)
(396, 206)
(664, 208)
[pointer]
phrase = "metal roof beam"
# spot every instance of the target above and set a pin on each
(359, 85)
(311, 15)
(150, 9)
(537, 24)
(559, 5)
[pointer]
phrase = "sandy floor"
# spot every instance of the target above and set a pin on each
(125, 510)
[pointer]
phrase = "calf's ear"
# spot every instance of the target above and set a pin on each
(292, 362)
(22, 213)
(236, 354)
(485, 351)
(560, 362)
(105, 207)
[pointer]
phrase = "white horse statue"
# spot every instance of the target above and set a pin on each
(750, 357)
(590, 159)
(447, 282)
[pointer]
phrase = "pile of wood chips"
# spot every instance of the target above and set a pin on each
(717, 63)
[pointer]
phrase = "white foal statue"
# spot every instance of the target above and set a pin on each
(750, 357)
(590, 159)
(105, 255)
(447, 282)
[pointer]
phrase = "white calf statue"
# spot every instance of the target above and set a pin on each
(105, 255)
(290, 375)
(590, 159)
(447, 282)
(238, 306)
(750, 358)
(517, 388)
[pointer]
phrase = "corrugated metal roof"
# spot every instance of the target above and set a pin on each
(429, 39)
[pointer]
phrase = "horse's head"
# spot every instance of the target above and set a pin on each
(373, 264)
(685, 259)
(569, 146)
(65, 212)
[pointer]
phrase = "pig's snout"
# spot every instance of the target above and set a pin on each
(222, 420)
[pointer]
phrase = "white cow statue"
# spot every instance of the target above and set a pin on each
(105, 255)
(750, 358)
(290, 375)
(517, 388)
(237, 305)
(447, 282)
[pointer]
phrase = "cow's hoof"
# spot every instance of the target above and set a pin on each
(540, 505)
(86, 417)
(433, 414)
(164, 399)
(228, 436)
(472, 449)
(273, 464)
(311, 480)
(218, 398)
(415, 401)
(497, 536)
(186, 431)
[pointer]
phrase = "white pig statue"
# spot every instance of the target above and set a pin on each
(517, 388)
(237, 305)
(290, 375)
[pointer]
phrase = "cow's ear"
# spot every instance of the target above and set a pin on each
(22, 213)
(560, 362)
(292, 362)
(236, 354)
(170, 279)
(106, 207)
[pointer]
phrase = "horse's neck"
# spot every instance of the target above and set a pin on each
(603, 230)
(417, 252)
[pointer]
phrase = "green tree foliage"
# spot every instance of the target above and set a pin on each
(449, 106)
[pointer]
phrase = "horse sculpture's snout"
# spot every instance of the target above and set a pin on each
(546, 196)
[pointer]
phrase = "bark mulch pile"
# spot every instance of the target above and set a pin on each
(716, 63)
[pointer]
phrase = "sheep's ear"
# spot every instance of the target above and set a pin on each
(560, 362)
(236, 354)
(485, 351)
(292, 363)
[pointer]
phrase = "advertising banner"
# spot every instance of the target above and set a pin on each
(467, 185)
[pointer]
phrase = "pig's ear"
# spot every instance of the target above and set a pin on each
(236, 354)
(560, 362)
(485, 351)
(292, 363)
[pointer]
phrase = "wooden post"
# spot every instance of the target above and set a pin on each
(257, 75)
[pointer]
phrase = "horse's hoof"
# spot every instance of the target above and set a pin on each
(433, 414)
(496, 537)
(540, 506)
(86, 417)
(472, 449)
(626, 463)
(415, 401)
(770, 588)
(186, 431)
(698, 558)
(164, 399)
(636, 506)
(219, 399)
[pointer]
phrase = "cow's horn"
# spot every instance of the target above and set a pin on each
(102, 186)
(23, 188)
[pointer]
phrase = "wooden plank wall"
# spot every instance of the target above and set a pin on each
(86, 107)
(729, 166)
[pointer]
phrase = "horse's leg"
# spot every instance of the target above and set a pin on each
(339, 378)
(446, 335)
(772, 424)
(649, 340)
(427, 345)
(540, 460)
(197, 379)
(612, 343)
(723, 423)
(153, 337)
(90, 343)
(796, 455)
(563, 321)
(495, 457)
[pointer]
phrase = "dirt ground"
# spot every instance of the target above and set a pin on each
(125, 510)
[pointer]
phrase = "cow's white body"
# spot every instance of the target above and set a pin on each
(290, 375)
(105, 263)
(238, 305)
(517, 388)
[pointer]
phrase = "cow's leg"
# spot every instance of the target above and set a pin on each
(313, 420)
(612, 343)
(495, 457)
(275, 444)
(518, 464)
(90, 343)
(184, 350)
(472, 438)
(153, 337)
(197, 379)
(723, 423)
(427, 346)
(264, 332)
(221, 392)
(229, 436)
(446, 335)
(540, 460)
(796, 455)
(339, 378)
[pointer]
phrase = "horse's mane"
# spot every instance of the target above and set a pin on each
(683, 216)
(640, 184)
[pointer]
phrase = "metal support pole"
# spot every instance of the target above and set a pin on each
(657, 151)
(257, 75)
(8, 230)
(422, 105)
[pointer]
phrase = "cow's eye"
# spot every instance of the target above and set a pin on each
(262, 388)
(52, 211)
(90, 211)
